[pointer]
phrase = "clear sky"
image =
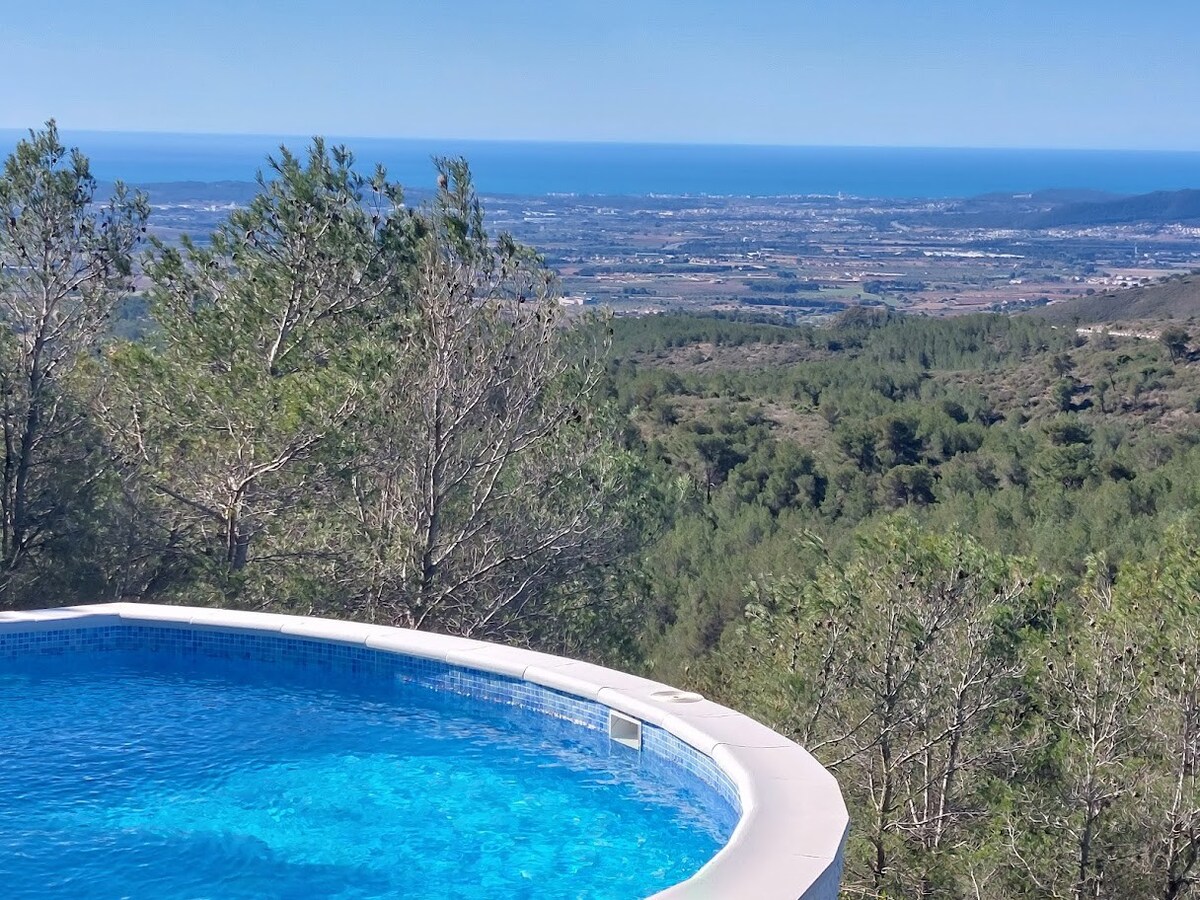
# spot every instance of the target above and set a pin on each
(964, 73)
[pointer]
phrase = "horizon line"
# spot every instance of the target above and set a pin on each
(341, 138)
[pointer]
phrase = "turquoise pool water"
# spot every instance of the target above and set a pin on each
(129, 775)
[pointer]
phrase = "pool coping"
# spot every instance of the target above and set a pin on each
(788, 843)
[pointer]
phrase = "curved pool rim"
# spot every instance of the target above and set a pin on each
(789, 838)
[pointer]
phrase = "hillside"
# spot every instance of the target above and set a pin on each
(1068, 209)
(1160, 206)
(1177, 299)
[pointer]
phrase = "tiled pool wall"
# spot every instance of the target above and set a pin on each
(661, 753)
(785, 811)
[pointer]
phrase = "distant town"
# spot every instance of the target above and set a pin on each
(808, 257)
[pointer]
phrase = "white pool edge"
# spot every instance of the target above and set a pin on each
(789, 840)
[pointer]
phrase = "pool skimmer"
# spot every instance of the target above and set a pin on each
(625, 730)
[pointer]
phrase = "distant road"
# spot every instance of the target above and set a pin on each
(1100, 329)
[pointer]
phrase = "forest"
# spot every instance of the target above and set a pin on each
(954, 558)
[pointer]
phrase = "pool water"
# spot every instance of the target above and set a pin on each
(143, 777)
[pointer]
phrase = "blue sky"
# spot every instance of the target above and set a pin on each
(1052, 73)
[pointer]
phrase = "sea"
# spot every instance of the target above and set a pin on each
(530, 168)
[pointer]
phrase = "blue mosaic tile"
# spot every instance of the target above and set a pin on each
(56, 642)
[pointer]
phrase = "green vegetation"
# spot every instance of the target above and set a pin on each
(950, 557)
(1176, 298)
(340, 404)
(953, 558)
(64, 265)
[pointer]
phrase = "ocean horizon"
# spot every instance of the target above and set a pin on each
(533, 168)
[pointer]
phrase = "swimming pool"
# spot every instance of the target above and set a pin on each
(177, 752)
